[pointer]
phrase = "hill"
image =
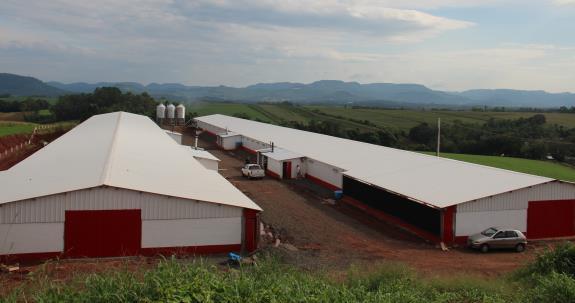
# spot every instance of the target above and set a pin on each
(338, 92)
(16, 85)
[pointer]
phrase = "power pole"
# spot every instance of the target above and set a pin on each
(438, 135)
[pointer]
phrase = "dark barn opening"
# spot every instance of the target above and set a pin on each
(416, 214)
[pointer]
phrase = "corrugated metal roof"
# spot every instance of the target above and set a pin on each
(200, 153)
(280, 154)
(122, 150)
(428, 179)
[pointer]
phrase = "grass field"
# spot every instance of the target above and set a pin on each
(11, 128)
(535, 167)
(50, 100)
(406, 119)
(388, 118)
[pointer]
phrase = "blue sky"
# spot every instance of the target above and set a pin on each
(444, 44)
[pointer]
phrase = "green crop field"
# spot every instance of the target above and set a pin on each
(535, 167)
(11, 128)
(389, 118)
(405, 119)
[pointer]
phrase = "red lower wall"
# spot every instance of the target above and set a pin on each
(272, 174)
(321, 182)
(190, 250)
(153, 251)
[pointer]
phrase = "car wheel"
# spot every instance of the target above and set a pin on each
(520, 247)
(484, 248)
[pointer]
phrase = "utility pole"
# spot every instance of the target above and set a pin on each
(438, 135)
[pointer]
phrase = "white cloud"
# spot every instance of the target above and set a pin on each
(564, 2)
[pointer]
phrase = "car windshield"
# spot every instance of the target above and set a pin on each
(489, 232)
(254, 167)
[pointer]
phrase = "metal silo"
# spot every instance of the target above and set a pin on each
(170, 114)
(180, 114)
(160, 113)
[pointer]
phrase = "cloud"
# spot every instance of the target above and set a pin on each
(564, 2)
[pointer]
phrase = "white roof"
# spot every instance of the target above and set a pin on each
(280, 154)
(200, 153)
(120, 150)
(436, 181)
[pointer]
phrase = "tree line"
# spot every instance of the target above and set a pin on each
(82, 106)
(529, 137)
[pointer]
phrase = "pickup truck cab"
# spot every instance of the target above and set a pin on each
(251, 171)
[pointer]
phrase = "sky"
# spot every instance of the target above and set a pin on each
(444, 44)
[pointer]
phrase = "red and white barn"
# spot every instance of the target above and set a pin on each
(117, 185)
(439, 199)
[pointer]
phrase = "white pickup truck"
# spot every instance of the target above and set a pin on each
(253, 171)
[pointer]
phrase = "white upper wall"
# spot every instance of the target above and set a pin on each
(437, 181)
(120, 150)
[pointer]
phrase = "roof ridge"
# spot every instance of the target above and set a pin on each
(106, 170)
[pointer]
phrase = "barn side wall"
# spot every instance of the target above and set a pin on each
(253, 145)
(231, 142)
(198, 232)
(22, 222)
(275, 168)
(325, 174)
(507, 209)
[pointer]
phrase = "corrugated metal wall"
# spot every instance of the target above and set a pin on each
(519, 199)
(325, 172)
(209, 127)
(254, 144)
(154, 207)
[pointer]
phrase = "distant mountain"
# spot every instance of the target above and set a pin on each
(16, 85)
(82, 87)
(324, 91)
(510, 97)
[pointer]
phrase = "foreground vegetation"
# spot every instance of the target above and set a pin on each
(550, 278)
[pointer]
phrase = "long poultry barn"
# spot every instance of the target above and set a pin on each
(441, 200)
(118, 185)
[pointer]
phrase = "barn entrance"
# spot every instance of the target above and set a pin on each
(286, 171)
(102, 233)
(550, 219)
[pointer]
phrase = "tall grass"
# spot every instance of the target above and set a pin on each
(270, 281)
(548, 279)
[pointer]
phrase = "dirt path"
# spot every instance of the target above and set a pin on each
(331, 237)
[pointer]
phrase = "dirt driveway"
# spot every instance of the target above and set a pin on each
(332, 237)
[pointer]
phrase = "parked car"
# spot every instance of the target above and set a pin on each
(251, 171)
(497, 238)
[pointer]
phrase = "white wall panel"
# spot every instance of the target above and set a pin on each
(275, 166)
(519, 199)
(31, 238)
(154, 207)
(230, 143)
(254, 144)
(191, 232)
(325, 172)
(211, 128)
(473, 222)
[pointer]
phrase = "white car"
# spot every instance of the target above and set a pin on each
(253, 171)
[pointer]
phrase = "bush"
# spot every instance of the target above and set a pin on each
(552, 288)
(559, 260)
